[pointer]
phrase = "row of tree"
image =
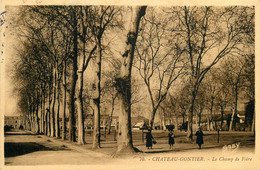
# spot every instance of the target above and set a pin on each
(178, 49)
(170, 49)
(220, 92)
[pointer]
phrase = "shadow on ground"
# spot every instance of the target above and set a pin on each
(8, 133)
(181, 149)
(16, 149)
(17, 132)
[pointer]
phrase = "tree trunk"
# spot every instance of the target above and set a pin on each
(211, 127)
(96, 97)
(235, 116)
(41, 119)
(64, 91)
(111, 115)
(200, 117)
(47, 121)
(211, 114)
(31, 122)
(253, 123)
(71, 101)
(79, 103)
(177, 121)
(208, 124)
(153, 116)
(190, 123)
(222, 116)
(123, 83)
(232, 119)
(44, 115)
(33, 117)
(37, 120)
(164, 122)
(96, 130)
(37, 114)
(43, 112)
(49, 113)
(53, 102)
(215, 121)
(30, 113)
(196, 122)
(57, 108)
(34, 120)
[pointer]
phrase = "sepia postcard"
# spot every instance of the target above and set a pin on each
(129, 84)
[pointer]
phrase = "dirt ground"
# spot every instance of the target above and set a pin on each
(245, 140)
(24, 148)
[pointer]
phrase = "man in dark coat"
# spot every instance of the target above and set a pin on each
(199, 135)
(171, 139)
(149, 139)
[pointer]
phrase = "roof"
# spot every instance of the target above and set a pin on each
(141, 125)
(157, 124)
(86, 116)
(238, 112)
(13, 117)
(138, 119)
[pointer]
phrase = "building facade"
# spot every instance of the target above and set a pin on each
(14, 121)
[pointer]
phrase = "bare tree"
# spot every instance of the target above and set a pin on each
(223, 96)
(233, 70)
(109, 94)
(201, 101)
(249, 85)
(211, 86)
(83, 60)
(160, 61)
(123, 81)
(203, 30)
(27, 80)
(100, 19)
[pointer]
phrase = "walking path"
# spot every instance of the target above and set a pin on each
(26, 148)
(23, 148)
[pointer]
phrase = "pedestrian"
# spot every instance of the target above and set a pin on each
(199, 135)
(149, 139)
(171, 139)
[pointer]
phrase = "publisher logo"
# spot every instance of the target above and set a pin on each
(231, 147)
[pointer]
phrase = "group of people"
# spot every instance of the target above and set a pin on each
(150, 140)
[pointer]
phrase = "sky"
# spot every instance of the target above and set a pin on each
(9, 55)
(10, 101)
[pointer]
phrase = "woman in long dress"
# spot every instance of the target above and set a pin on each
(171, 139)
(199, 135)
(149, 140)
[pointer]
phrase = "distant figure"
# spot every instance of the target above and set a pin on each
(199, 135)
(21, 127)
(149, 139)
(171, 139)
